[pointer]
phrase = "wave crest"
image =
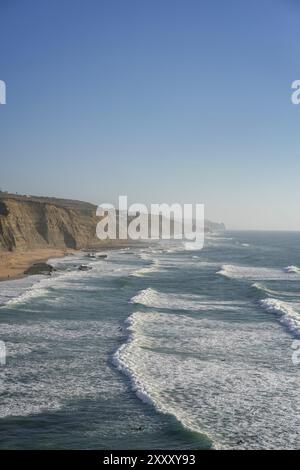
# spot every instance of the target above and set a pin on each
(152, 298)
(288, 315)
(259, 273)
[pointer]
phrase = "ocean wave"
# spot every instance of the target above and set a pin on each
(13, 288)
(21, 290)
(67, 276)
(266, 290)
(145, 256)
(120, 356)
(151, 268)
(216, 237)
(173, 249)
(292, 269)
(258, 273)
(288, 315)
(152, 298)
(38, 287)
(188, 368)
(35, 385)
(193, 246)
(126, 361)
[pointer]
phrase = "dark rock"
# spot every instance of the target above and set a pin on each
(3, 209)
(84, 267)
(39, 268)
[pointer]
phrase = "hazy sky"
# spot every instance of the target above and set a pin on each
(162, 100)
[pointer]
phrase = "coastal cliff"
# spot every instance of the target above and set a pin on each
(30, 223)
(33, 223)
(34, 229)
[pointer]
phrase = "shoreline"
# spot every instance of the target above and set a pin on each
(13, 264)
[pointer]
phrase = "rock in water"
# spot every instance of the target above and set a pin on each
(39, 268)
(84, 267)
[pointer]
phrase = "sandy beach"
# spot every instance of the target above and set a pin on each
(13, 264)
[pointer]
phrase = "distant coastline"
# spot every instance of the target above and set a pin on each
(34, 229)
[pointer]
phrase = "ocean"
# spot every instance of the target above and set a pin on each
(161, 346)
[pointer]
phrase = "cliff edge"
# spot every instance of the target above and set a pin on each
(31, 223)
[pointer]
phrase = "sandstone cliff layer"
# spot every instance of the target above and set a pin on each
(29, 223)
(32, 223)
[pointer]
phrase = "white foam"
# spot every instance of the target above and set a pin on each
(14, 289)
(48, 380)
(267, 290)
(216, 237)
(216, 377)
(287, 313)
(67, 276)
(124, 360)
(257, 273)
(175, 249)
(145, 270)
(264, 289)
(152, 298)
(37, 287)
(193, 246)
(292, 269)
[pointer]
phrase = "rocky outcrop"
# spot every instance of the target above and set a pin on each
(84, 267)
(32, 223)
(29, 223)
(214, 226)
(39, 268)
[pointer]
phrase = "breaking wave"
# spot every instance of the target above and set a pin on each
(292, 269)
(188, 368)
(152, 298)
(267, 290)
(151, 268)
(286, 311)
(258, 273)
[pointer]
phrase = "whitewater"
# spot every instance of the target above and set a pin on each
(165, 345)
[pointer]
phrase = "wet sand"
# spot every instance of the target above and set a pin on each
(13, 264)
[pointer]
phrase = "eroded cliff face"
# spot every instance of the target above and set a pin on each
(34, 223)
(31, 223)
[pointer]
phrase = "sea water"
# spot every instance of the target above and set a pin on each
(158, 346)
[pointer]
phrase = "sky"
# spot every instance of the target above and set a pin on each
(165, 101)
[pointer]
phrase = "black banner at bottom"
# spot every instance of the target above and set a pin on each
(132, 458)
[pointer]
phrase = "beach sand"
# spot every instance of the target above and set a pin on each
(13, 264)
